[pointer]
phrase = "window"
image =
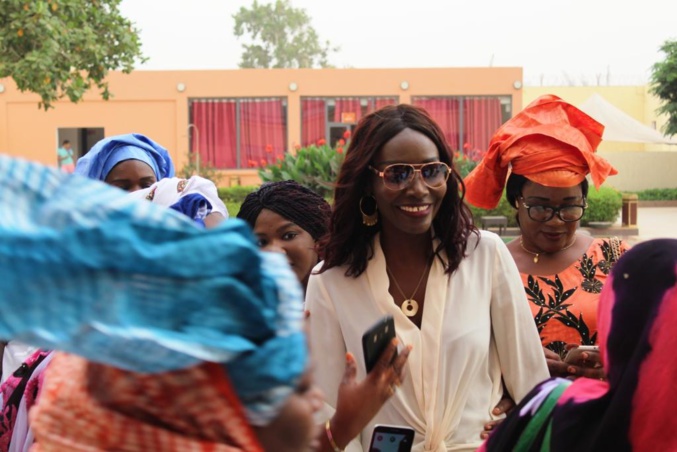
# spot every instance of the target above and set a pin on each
(328, 118)
(468, 122)
(238, 133)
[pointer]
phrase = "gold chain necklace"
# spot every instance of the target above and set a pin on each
(409, 306)
(536, 255)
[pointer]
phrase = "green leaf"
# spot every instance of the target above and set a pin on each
(61, 48)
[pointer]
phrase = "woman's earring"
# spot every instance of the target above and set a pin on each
(369, 219)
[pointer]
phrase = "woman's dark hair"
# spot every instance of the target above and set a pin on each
(349, 241)
(513, 188)
(292, 201)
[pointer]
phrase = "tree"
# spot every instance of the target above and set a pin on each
(59, 48)
(281, 37)
(664, 85)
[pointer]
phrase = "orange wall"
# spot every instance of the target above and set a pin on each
(148, 102)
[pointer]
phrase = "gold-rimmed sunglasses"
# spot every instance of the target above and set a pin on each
(400, 175)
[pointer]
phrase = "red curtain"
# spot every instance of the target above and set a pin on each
(481, 117)
(347, 105)
(313, 121)
(380, 102)
(445, 112)
(214, 132)
(263, 130)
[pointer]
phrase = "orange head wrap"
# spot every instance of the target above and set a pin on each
(550, 142)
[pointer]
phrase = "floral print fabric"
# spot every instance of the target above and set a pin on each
(564, 305)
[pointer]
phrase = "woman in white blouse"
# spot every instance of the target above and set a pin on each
(402, 243)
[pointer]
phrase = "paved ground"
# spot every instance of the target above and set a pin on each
(655, 222)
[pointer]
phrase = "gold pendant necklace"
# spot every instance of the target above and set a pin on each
(536, 255)
(409, 306)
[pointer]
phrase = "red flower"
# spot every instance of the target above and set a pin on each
(321, 142)
(263, 162)
(466, 145)
(297, 147)
(347, 134)
(269, 148)
(457, 155)
(341, 142)
(339, 150)
(252, 164)
(280, 157)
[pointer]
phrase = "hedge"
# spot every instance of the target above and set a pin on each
(657, 194)
(603, 205)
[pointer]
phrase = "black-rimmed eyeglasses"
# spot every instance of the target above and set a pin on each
(566, 213)
(400, 175)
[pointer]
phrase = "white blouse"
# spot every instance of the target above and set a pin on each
(476, 328)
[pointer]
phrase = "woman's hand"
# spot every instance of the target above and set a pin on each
(359, 402)
(577, 363)
(556, 366)
(584, 363)
(505, 406)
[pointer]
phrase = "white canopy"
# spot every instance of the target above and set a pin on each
(619, 126)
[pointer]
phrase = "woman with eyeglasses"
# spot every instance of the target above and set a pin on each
(549, 148)
(402, 243)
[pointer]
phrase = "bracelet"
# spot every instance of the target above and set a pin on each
(330, 437)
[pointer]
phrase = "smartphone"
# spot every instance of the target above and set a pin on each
(588, 348)
(390, 438)
(376, 340)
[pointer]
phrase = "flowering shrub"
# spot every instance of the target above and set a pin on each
(315, 166)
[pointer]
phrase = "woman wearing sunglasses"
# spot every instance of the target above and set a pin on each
(402, 243)
(550, 148)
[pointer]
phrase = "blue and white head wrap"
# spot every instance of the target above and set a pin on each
(107, 153)
(89, 270)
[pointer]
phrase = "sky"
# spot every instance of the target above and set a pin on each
(556, 42)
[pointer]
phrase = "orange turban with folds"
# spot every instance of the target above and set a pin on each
(550, 142)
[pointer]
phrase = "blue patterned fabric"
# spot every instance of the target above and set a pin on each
(107, 153)
(194, 206)
(88, 270)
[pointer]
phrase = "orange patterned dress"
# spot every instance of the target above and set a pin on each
(564, 305)
(87, 407)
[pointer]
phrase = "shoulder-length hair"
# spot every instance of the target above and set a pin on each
(349, 241)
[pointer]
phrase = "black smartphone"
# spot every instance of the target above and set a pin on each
(376, 340)
(390, 438)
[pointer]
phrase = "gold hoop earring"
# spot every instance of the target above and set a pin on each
(372, 218)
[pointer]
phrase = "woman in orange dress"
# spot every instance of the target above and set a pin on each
(549, 149)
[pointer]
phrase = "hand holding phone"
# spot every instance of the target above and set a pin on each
(376, 339)
(390, 438)
(575, 355)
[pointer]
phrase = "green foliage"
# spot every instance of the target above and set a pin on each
(60, 48)
(603, 205)
(197, 167)
(316, 167)
(233, 197)
(464, 165)
(664, 85)
(280, 36)
(503, 208)
(236, 194)
(657, 194)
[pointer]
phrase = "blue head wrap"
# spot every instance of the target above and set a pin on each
(107, 153)
(138, 286)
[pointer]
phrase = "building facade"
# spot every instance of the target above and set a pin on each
(239, 120)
